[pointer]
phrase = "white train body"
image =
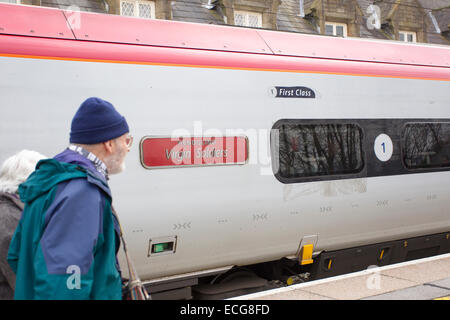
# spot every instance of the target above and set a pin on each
(238, 214)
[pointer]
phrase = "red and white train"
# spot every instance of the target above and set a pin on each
(297, 154)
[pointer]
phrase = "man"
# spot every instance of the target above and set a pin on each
(66, 242)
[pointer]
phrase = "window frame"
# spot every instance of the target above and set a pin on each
(406, 33)
(336, 24)
(338, 176)
(136, 8)
(247, 14)
(403, 148)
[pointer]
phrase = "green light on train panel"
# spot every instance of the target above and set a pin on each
(162, 247)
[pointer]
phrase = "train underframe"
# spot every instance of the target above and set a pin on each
(241, 280)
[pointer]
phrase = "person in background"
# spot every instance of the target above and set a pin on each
(65, 246)
(14, 171)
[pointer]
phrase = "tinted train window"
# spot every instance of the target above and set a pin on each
(308, 150)
(426, 145)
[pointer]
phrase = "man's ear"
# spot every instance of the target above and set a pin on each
(108, 145)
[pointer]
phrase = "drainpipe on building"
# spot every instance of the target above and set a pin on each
(302, 8)
(106, 6)
(210, 5)
(435, 24)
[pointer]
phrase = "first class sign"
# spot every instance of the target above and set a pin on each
(167, 152)
(292, 92)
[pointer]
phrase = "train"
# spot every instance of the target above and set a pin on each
(264, 158)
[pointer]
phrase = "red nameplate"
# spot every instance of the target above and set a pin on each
(159, 152)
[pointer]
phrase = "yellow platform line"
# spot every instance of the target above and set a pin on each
(443, 298)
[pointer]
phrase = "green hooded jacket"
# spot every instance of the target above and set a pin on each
(66, 242)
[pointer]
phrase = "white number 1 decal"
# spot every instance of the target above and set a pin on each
(383, 147)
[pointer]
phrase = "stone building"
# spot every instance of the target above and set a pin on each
(425, 21)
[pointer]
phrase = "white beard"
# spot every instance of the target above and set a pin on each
(115, 163)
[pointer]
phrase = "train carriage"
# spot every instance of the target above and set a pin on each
(262, 155)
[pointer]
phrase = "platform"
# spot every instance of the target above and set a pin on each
(423, 279)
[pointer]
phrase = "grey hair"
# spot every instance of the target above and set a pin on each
(16, 169)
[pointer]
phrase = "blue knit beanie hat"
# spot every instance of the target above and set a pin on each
(97, 121)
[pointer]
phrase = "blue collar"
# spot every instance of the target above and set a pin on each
(98, 164)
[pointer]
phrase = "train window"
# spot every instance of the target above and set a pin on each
(426, 145)
(310, 150)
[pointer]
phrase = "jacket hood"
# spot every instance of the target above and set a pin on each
(93, 176)
(48, 173)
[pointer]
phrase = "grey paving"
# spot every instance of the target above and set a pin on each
(423, 292)
(424, 279)
(297, 295)
(444, 283)
(421, 273)
(359, 287)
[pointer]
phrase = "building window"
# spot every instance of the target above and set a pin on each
(426, 145)
(140, 9)
(335, 29)
(10, 1)
(312, 150)
(248, 19)
(407, 36)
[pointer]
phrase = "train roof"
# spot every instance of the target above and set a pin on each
(83, 26)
